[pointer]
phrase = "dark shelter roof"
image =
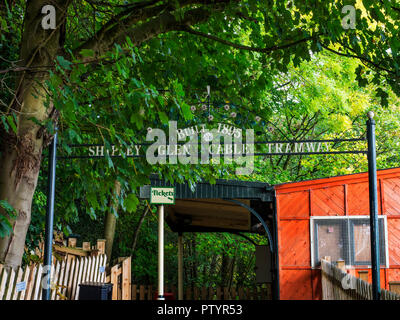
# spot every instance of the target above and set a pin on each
(232, 189)
(205, 208)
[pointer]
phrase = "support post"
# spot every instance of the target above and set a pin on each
(275, 254)
(180, 266)
(373, 207)
(161, 252)
(46, 275)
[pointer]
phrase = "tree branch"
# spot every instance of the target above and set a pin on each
(136, 233)
(103, 40)
(135, 5)
(363, 59)
(125, 24)
(244, 47)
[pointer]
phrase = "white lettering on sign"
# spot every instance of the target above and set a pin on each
(205, 146)
(99, 151)
(298, 147)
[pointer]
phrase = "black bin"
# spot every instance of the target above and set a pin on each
(95, 291)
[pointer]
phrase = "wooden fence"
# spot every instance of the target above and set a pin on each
(120, 277)
(26, 284)
(259, 292)
(74, 266)
(123, 289)
(336, 287)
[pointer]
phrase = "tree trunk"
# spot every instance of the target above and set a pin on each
(21, 153)
(111, 220)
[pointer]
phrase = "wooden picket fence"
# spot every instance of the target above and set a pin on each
(26, 283)
(258, 292)
(356, 288)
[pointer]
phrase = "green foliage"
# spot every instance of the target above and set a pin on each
(282, 61)
(327, 103)
(131, 202)
(5, 224)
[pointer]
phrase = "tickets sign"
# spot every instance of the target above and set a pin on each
(162, 195)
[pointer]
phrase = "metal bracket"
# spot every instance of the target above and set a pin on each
(270, 242)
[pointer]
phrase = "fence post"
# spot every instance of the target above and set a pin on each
(86, 246)
(188, 293)
(226, 293)
(394, 286)
(126, 279)
(150, 292)
(142, 292)
(204, 293)
(72, 242)
(101, 246)
(196, 293)
(218, 295)
(325, 281)
(114, 281)
(363, 275)
(210, 293)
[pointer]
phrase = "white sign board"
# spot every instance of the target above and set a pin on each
(20, 286)
(162, 195)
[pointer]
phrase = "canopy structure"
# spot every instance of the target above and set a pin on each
(226, 206)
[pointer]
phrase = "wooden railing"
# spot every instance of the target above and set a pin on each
(258, 292)
(26, 283)
(337, 284)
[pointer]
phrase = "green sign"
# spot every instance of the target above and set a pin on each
(162, 195)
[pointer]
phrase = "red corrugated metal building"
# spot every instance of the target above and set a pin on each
(331, 217)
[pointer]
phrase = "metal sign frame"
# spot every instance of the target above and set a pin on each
(362, 139)
(373, 197)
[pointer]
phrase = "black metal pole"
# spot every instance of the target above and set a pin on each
(373, 208)
(276, 285)
(46, 276)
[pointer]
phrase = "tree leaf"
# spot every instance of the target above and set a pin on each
(65, 64)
